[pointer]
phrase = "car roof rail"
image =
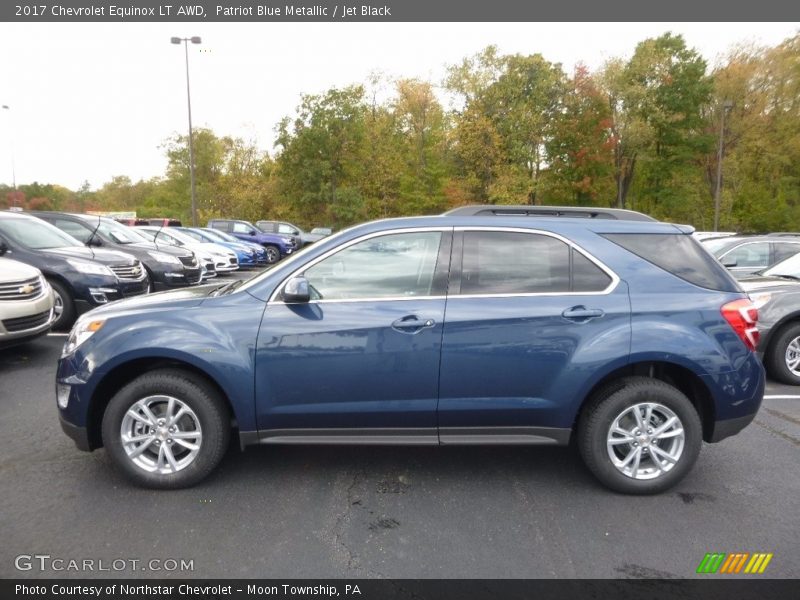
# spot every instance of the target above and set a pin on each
(785, 234)
(579, 212)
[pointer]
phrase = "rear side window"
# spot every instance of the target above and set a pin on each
(679, 254)
(496, 262)
(784, 250)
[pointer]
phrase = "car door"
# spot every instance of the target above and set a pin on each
(530, 319)
(361, 358)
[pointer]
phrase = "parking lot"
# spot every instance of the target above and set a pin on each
(293, 511)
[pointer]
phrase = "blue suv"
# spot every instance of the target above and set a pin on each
(480, 326)
(276, 245)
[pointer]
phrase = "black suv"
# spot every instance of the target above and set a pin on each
(82, 278)
(168, 267)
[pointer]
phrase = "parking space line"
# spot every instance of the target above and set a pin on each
(57, 334)
(780, 396)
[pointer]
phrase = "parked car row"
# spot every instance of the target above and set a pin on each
(86, 261)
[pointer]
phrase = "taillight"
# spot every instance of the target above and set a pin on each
(742, 315)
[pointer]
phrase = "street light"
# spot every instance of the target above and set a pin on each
(13, 168)
(727, 105)
(194, 40)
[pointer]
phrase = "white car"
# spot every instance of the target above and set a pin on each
(223, 259)
(26, 303)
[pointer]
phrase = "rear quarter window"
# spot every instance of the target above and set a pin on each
(680, 255)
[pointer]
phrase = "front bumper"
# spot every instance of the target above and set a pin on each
(26, 319)
(79, 435)
(179, 277)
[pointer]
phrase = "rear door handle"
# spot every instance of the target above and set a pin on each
(581, 313)
(412, 324)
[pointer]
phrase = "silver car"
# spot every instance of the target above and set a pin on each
(26, 303)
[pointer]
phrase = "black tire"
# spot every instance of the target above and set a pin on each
(775, 360)
(190, 389)
(597, 418)
(68, 312)
(273, 254)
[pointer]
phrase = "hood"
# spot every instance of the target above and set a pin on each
(184, 297)
(106, 257)
(12, 270)
(758, 283)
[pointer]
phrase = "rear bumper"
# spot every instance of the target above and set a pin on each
(729, 427)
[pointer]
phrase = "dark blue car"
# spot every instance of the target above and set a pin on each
(615, 331)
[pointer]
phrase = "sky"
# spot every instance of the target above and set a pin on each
(88, 101)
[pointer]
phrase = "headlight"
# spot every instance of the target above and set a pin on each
(82, 331)
(89, 267)
(165, 258)
(761, 299)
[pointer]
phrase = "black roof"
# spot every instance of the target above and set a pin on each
(578, 212)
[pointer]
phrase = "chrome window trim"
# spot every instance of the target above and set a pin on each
(274, 297)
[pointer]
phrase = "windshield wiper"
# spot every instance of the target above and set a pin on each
(227, 287)
(781, 275)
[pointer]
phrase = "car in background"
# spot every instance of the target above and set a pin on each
(321, 231)
(248, 255)
(82, 278)
(304, 238)
(208, 267)
(623, 336)
(277, 245)
(26, 303)
(223, 260)
(776, 293)
(167, 267)
(745, 255)
(164, 222)
(705, 235)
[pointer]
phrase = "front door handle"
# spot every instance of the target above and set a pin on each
(581, 313)
(412, 324)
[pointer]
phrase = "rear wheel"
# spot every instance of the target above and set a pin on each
(63, 306)
(273, 254)
(783, 358)
(166, 429)
(640, 436)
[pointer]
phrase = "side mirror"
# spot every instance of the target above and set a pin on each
(296, 291)
(94, 241)
(252, 232)
(729, 262)
(3, 248)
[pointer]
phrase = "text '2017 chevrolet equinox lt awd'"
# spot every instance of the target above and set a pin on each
(473, 327)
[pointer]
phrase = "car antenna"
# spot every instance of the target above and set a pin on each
(91, 237)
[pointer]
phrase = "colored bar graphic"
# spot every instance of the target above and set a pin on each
(721, 562)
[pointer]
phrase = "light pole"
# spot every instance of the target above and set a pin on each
(727, 105)
(194, 40)
(13, 168)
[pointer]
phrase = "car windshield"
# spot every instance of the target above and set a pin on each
(220, 235)
(168, 234)
(715, 245)
(36, 234)
(786, 268)
(121, 234)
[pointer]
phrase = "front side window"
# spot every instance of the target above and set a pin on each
(748, 255)
(242, 228)
(287, 229)
(784, 250)
(395, 265)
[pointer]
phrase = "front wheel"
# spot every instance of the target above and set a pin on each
(166, 429)
(640, 436)
(273, 254)
(63, 306)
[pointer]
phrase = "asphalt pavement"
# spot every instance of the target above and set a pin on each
(321, 512)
